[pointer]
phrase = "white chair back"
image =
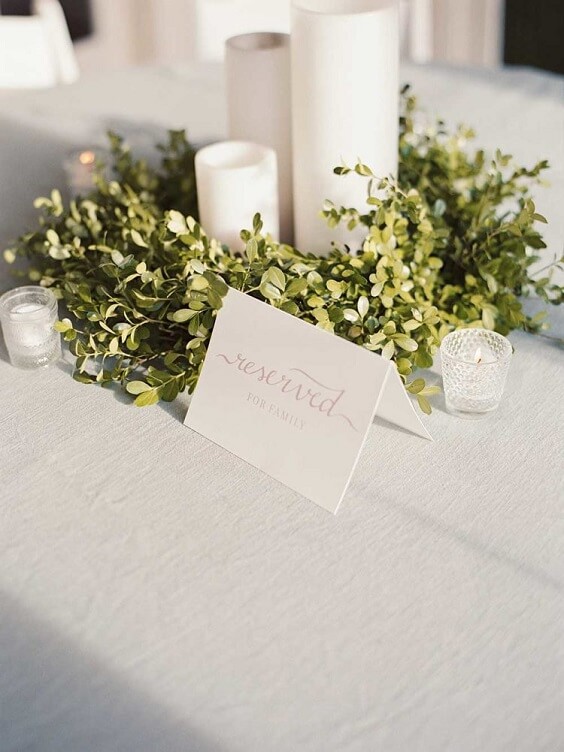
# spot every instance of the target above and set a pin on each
(36, 51)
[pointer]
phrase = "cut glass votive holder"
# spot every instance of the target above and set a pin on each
(27, 315)
(474, 363)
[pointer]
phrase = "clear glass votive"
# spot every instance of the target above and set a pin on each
(474, 365)
(27, 315)
(80, 168)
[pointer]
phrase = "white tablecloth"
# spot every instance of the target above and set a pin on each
(159, 594)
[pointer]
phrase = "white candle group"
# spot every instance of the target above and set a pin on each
(327, 94)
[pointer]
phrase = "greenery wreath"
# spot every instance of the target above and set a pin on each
(450, 244)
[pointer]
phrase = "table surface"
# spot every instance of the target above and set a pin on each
(157, 593)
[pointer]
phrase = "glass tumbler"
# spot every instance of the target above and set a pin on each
(27, 315)
(474, 363)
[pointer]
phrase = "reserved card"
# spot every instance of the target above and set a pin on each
(293, 400)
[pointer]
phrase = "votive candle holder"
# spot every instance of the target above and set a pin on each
(81, 166)
(474, 364)
(28, 315)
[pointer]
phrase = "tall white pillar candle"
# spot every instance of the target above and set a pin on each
(259, 105)
(345, 92)
(235, 180)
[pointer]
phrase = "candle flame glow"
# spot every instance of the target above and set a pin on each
(478, 356)
(87, 157)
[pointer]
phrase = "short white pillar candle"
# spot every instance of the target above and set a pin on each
(237, 179)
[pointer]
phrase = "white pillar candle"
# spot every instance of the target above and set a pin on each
(235, 180)
(345, 100)
(259, 105)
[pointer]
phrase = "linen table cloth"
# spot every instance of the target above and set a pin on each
(157, 593)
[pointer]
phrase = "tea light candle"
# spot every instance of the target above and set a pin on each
(27, 315)
(32, 336)
(80, 168)
(484, 355)
(475, 364)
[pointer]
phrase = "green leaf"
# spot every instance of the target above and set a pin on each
(199, 283)
(290, 307)
(276, 276)
(424, 404)
(169, 391)
(52, 237)
(83, 378)
(439, 207)
(320, 314)
(62, 326)
(351, 315)
(423, 359)
(251, 250)
(363, 170)
(388, 350)
(182, 315)
(363, 306)
(416, 386)
(217, 284)
(296, 287)
(176, 222)
(137, 387)
(149, 397)
(430, 391)
(404, 366)
(197, 266)
(215, 300)
(375, 339)
(137, 239)
(488, 319)
(405, 342)
(269, 291)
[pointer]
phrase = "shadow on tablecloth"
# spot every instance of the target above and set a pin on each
(54, 697)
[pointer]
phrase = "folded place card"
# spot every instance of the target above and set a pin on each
(293, 400)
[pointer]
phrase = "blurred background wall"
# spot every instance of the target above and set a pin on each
(115, 33)
(137, 31)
